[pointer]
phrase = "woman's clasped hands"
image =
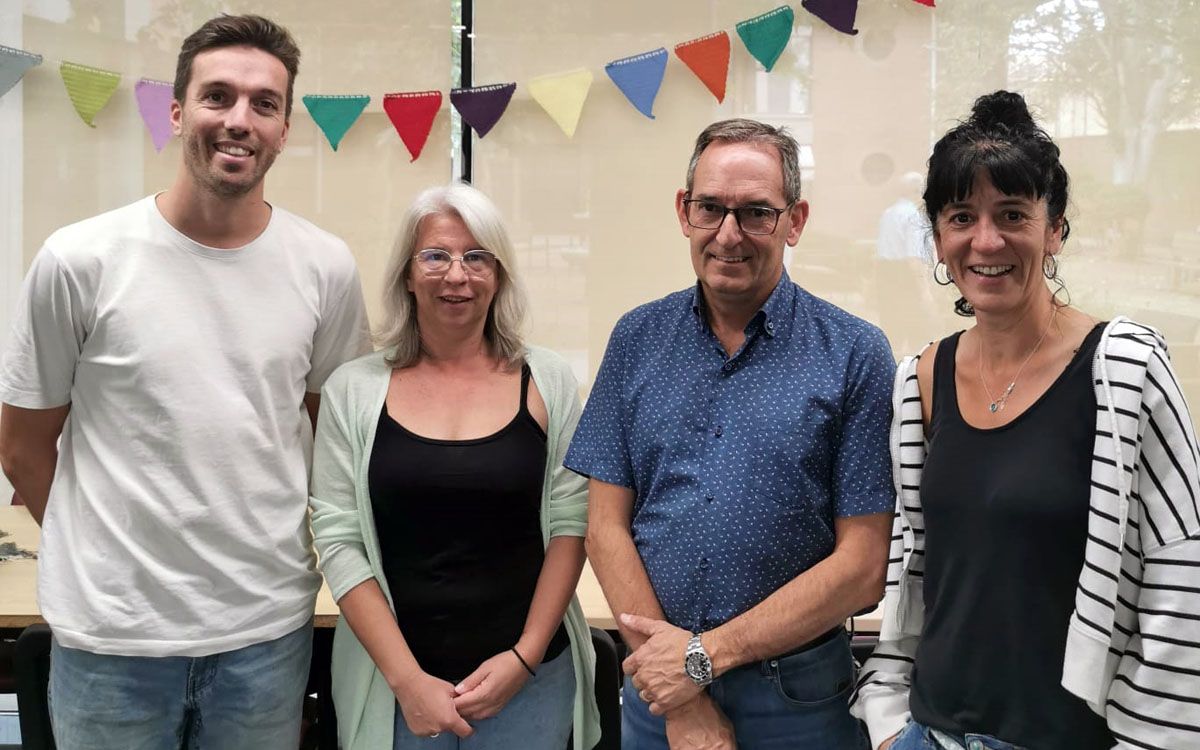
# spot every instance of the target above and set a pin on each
(431, 705)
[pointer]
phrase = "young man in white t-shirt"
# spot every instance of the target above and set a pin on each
(158, 388)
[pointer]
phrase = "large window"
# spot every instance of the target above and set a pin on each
(1117, 84)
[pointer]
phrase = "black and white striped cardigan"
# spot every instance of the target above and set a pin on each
(1133, 643)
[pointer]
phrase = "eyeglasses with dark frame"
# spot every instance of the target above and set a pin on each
(434, 261)
(708, 214)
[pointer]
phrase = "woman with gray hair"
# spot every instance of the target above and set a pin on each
(449, 532)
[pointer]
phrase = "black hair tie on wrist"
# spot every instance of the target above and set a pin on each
(523, 662)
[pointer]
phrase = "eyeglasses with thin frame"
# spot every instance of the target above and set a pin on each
(707, 214)
(436, 262)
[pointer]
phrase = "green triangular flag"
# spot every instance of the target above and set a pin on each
(766, 36)
(89, 88)
(335, 114)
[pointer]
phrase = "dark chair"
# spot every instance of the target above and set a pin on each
(31, 665)
(608, 690)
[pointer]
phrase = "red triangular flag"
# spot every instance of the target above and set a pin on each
(412, 114)
(925, 2)
(708, 57)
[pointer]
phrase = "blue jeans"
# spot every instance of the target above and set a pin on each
(798, 701)
(539, 717)
(917, 736)
(248, 699)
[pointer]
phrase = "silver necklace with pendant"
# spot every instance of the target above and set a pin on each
(997, 404)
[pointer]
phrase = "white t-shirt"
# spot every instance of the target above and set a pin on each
(177, 523)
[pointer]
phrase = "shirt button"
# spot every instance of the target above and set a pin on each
(727, 367)
(708, 499)
(975, 745)
(770, 328)
(717, 430)
(704, 564)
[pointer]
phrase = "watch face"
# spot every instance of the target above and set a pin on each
(698, 666)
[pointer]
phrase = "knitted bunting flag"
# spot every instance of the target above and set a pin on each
(766, 36)
(562, 96)
(639, 78)
(335, 113)
(837, 13)
(708, 58)
(412, 115)
(154, 103)
(13, 64)
(482, 106)
(89, 88)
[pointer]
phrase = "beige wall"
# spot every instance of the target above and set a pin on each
(592, 216)
(72, 171)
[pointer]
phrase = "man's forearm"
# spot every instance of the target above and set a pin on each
(622, 577)
(31, 473)
(817, 600)
(29, 452)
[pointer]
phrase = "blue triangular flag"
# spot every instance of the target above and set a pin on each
(639, 77)
(13, 64)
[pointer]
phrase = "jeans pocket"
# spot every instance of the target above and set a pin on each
(913, 736)
(821, 675)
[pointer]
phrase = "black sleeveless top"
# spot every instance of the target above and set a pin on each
(460, 538)
(1006, 513)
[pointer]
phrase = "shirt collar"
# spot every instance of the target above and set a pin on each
(774, 317)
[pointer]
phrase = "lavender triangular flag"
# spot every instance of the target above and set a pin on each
(13, 64)
(639, 78)
(482, 107)
(154, 103)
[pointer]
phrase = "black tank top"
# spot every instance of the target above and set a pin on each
(460, 538)
(1006, 514)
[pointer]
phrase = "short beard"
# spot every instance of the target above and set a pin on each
(205, 178)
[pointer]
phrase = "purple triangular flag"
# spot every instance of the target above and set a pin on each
(482, 106)
(154, 102)
(837, 13)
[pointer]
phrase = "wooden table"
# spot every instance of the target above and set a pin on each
(18, 579)
(18, 582)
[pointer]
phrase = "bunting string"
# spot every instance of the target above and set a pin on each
(561, 95)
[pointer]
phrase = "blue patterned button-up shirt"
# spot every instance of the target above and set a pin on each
(739, 464)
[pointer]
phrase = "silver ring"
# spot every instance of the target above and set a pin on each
(435, 734)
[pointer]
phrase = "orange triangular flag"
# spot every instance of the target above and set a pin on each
(708, 57)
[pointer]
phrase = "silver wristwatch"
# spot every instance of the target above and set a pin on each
(696, 662)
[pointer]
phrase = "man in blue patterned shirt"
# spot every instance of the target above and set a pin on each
(736, 441)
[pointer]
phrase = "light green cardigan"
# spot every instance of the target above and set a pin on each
(344, 531)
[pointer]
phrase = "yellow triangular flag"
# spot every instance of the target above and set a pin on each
(562, 96)
(89, 88)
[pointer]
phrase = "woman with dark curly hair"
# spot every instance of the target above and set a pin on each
(1042, 590)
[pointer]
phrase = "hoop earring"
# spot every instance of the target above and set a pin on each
(1050, 267)
(946, 271)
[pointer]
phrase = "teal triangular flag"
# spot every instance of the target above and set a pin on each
(335, 114)
(766, 36)
(13, 64)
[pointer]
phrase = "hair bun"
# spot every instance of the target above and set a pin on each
(1001, 108)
